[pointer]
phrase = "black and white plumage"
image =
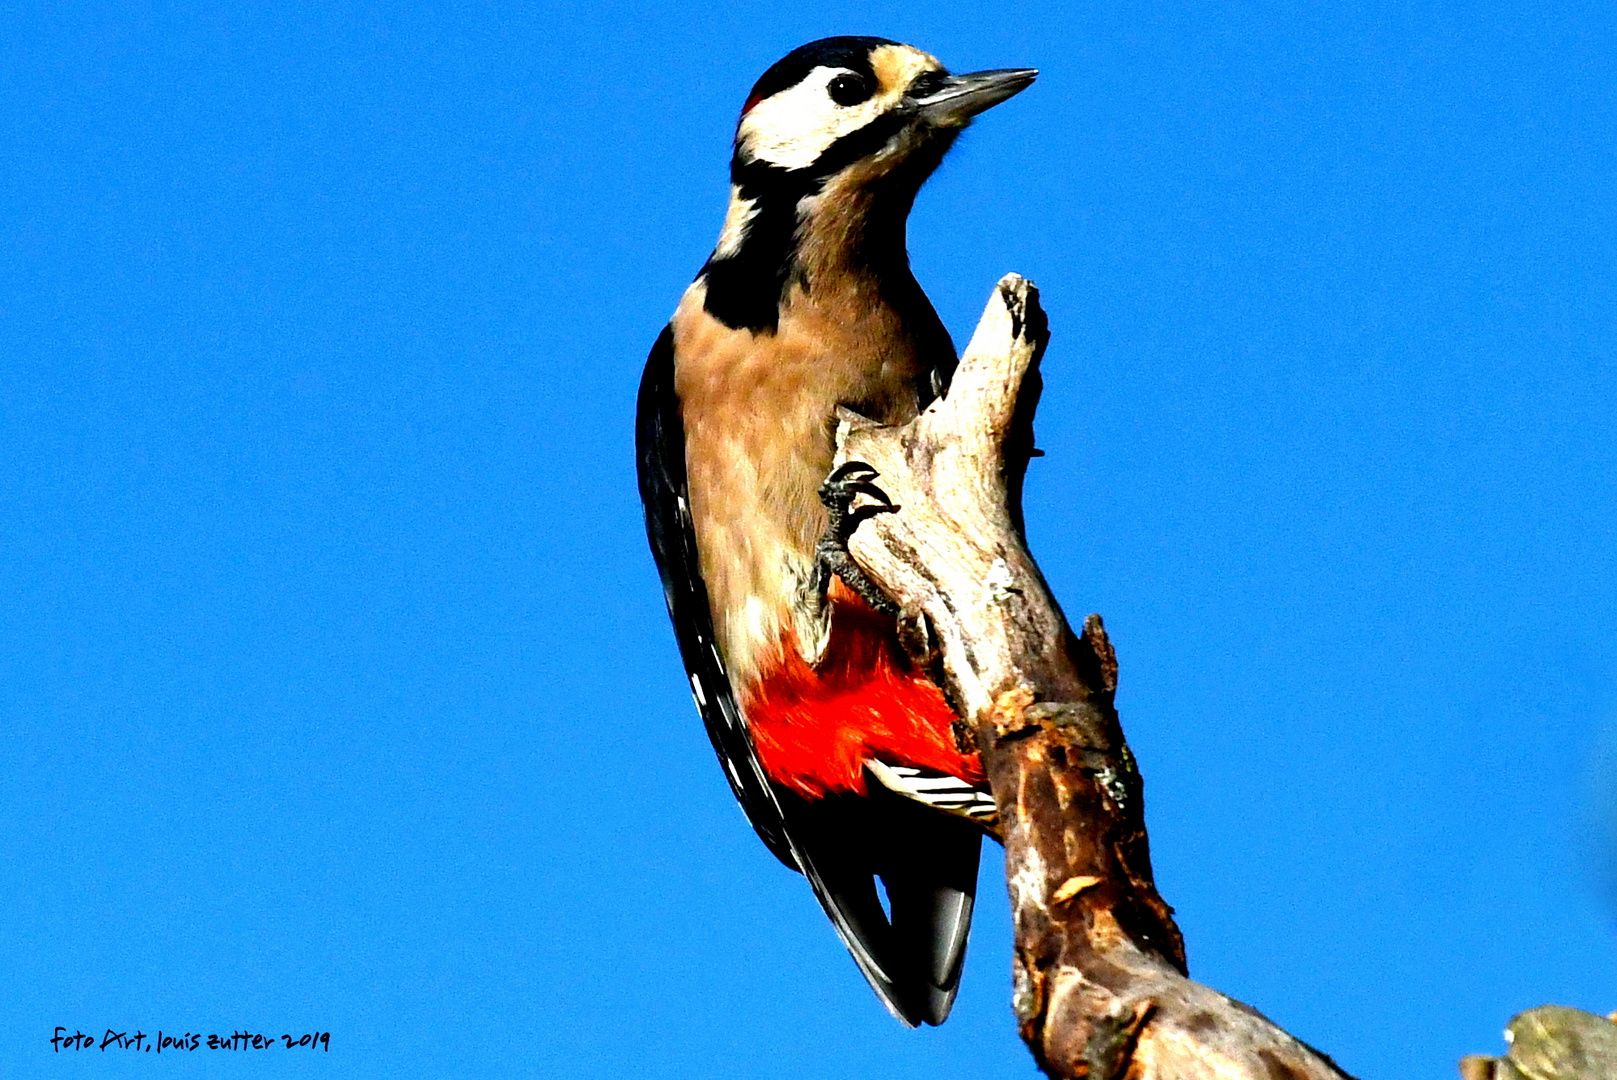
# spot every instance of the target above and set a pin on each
(841, 757)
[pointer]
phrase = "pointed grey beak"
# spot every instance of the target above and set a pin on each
(957, 98)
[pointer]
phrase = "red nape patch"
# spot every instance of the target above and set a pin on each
(753, 100)
(816, 726)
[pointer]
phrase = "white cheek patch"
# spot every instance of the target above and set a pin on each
(793, 128)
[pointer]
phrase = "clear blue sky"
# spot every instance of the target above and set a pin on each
(336, 692)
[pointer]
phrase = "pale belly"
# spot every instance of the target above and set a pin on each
(759, 415)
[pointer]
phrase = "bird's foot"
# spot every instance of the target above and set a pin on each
(838, 492)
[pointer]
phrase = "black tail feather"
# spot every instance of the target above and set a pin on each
(911, 954)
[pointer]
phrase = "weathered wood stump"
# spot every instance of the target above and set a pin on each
(1100, 981)
(1551, 1042)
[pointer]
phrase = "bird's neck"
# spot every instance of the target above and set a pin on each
(853, 229)
(790, 240)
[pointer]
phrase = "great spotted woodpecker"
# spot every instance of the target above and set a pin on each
(842, 754)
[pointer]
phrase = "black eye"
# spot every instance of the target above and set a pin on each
(848, 90)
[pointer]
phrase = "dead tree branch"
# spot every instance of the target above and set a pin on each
(1100, 983)
(1551, 1042)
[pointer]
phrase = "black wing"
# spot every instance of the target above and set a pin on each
(660, 447)
(842, 844)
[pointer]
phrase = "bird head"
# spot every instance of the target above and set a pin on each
(842, 101)
(832, 146)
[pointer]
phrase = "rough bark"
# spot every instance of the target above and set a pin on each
(1551, 1042)
(1100, 979)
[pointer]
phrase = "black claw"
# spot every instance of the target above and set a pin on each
(852, 468)
(838, 492)
(853, 478)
